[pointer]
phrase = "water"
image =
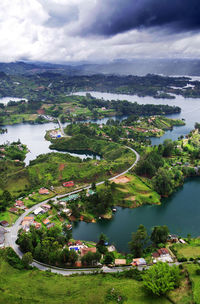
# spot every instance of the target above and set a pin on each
(33, 137)
(190, 111)
(180, 212)
(5, 100)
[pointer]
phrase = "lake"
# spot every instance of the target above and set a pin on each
(180, 212)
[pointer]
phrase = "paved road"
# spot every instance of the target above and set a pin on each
(11, 235)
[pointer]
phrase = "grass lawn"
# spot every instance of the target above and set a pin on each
(8, 216)
(33, 286)
(191, 250)
(195, 279)
(135, 193)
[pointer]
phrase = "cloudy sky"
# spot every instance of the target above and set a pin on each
(98, 30)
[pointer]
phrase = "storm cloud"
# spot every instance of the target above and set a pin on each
(98, 30)
(111, 17)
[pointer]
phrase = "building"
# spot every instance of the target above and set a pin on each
(162, 255)
(119, 262)
(19, 204)
(46, 221)
(139, 262)
(39, 210)
(68, 184)
(43, 191)
(4, 223)
(84, 251)
(46, 206)
(50, 225)
(13, 210)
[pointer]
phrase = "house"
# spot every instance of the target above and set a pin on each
(84, 251)
(19, 204)
(37, 225)
(182, 241)
(43, 191)
(46, 206)
(67, 211)
(68, 184)
(70, 198)
(139, 262)
(46, 221)
(13, 210)
(172, 238)
(39, 210)
(29, 218)
(119, 262)
(162, 255)
(4, 223)
(50, 225)
(26, 225)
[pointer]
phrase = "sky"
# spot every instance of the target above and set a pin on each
(98, 30)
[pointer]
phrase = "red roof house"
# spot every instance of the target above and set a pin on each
(68, 184)
(43, 191)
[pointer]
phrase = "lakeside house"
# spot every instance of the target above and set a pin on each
(162, 255)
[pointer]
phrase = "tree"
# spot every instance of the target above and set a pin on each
(101, 243)
(139, 239)
(159, 234)
(162, 182)
(161, 278)
(73, 257)
(27, 259)
(91, 258)
(109, 258)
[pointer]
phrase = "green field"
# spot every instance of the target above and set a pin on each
(134, 193)
(33, 286)
(191, 250)
(195, 280)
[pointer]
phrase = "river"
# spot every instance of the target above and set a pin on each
(180, 212)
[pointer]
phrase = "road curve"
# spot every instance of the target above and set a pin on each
(12, 232)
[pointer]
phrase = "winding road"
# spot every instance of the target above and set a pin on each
(11, 235)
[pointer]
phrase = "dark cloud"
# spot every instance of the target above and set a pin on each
(116, 16)
(61, 14)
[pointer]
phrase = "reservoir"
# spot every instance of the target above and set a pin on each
(180, 212)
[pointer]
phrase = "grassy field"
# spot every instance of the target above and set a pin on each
(195, 280)
(33, 286)
(191, 250)
(8, 216)
(134, 193)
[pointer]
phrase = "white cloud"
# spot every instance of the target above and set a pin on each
(45, 30)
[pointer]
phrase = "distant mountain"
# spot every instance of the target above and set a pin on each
(138, 67)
